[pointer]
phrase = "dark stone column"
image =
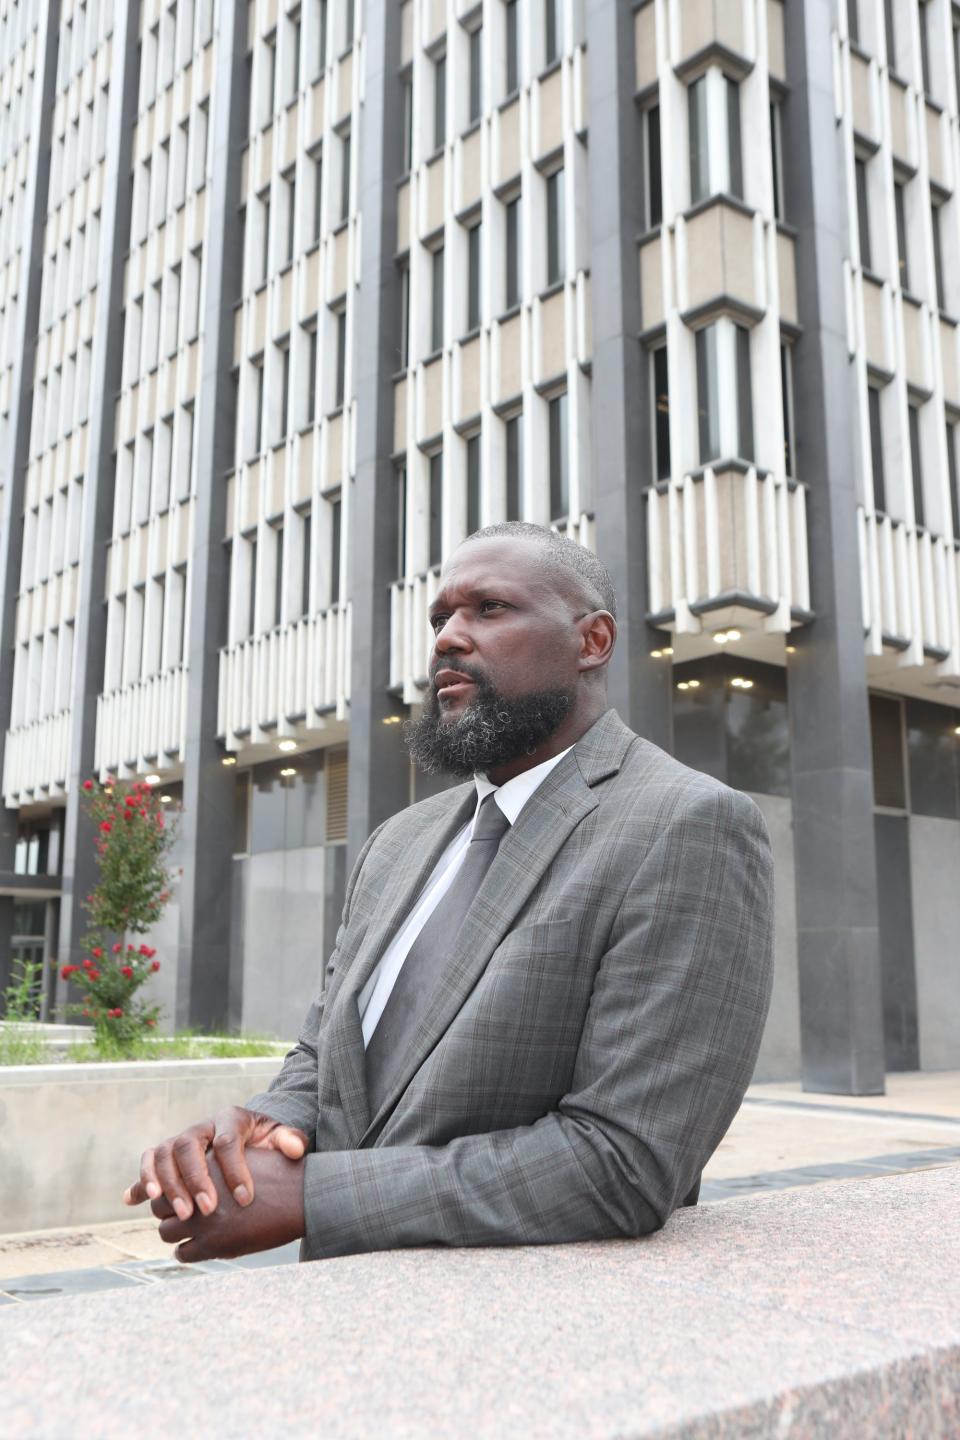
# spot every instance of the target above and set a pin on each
(639, 686)
(90, 629)
(14, 462)
(841, 1015)
(378, 774)
(205, 996)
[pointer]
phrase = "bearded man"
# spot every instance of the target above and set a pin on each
(547, 993)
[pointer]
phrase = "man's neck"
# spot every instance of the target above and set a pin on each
(573, 727)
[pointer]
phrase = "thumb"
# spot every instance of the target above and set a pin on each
(290, 1142)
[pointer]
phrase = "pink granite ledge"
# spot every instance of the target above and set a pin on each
(827, 1312)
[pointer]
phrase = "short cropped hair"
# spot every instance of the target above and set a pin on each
(565, 559)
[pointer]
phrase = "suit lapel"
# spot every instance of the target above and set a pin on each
(526, 853)
(430, 835)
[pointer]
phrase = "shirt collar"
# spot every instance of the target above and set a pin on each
(513, 794)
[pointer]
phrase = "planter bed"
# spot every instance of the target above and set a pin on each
(71, 1136)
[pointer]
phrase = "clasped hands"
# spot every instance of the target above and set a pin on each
(227, 1186)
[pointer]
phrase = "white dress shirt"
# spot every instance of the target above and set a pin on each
(511, 798)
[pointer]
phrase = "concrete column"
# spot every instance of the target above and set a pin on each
(14, 463)
(378, 773)
(90, 630)
(621, 440)
(206, 825)
(841, 1014)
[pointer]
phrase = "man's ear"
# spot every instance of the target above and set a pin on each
(598, 635)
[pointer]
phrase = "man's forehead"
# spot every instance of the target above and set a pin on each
(481, 563)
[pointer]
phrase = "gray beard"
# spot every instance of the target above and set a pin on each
(491, 731)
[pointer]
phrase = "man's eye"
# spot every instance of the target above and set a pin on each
(498, 604)
(437, 623)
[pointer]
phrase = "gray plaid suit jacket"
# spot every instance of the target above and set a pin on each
(594, 1034)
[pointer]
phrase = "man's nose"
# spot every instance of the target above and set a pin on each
(453, 635)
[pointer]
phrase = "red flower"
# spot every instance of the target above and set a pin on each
(155, 966)
(143, 812)
(105, 826)
(127, 972)
(88, 784)
(86, 1011)
(67, 971)
(148, 951)
(151, 1023)
(130, 800)
(117, 948)
(97, 952)
(88, 964)
(118, 1012)
(93, 974)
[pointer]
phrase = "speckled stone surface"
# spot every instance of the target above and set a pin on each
(829, 1312)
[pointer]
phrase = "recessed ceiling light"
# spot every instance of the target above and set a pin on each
(166, 799)
(151, 779)
(288, 770)
(286, 746)
(229, 760)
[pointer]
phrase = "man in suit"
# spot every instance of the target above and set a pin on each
(546, 996)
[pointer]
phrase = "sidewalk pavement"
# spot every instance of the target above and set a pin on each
(781, 1138)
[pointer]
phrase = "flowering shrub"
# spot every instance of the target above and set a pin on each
(133, 839)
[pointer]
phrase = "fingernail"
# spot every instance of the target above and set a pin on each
(153, 1190)
(126, 1197)
(241, 1195)
(182, 1209)
(204, 1203)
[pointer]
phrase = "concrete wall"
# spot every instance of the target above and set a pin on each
(935, 873)
(779, 1057)
(283, 938)
(71, 1139)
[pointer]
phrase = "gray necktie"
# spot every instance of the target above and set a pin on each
(428, 955)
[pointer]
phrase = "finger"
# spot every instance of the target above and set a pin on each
(162, 1208)
(190, 1154)
(173, 1230)
(228, 1146)
(190, 1252)
(289, 1141)
(148, 1186)
(171, 1181)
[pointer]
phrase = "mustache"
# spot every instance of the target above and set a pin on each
(478, 678)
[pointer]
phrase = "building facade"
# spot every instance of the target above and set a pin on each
(294, 296)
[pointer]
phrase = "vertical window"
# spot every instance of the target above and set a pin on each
(556, 261)
(164, 467)
(270, 76)
(654, 168)
(185, 452)
(925, 8)
(786, 395)
(890, 34)
(863, 213)
(899, 199)
(312, 373)
(294, 53)
(514, 464)
(734, 144)
(401, 522)
(876, 450)
(406, 85)
(436, 304)
(155, 660)
(699, 158)
(553, 30)
(258, 405)
(853, 21)
(776, 156)
(306, 543)
(435, 535)
(708, 416)
(916, 470)
(345, 176)
(661, 413)
(321, 36)
(935, 218)
(512, 46)
(335, 520)
(283, 355)
(559, 460)
(439, 101)
(290, 196)
(341, 375)
(252, 588)
(476, 74)
(349, 23)
(744, 395)
(317, 164)
(404, 316)
(277, 573)
(179, 625)
(265, 233)
(473, 484)
(513, 254)
(954, 478)
(473, 277)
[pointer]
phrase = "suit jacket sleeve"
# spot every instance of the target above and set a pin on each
(292, 1095)
(668, 1047)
